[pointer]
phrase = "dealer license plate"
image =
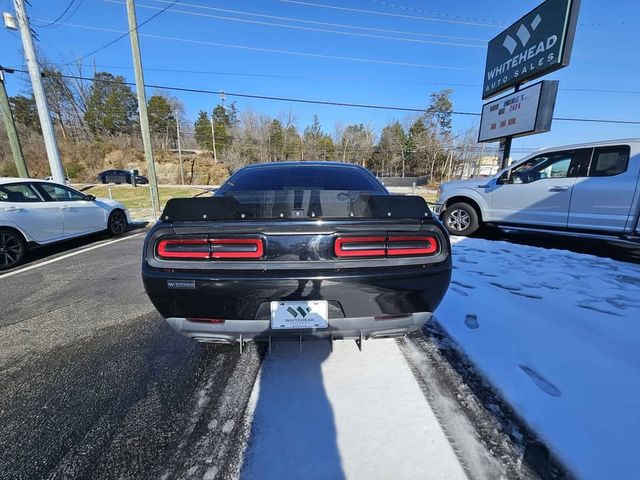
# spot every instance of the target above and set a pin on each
(290, 315)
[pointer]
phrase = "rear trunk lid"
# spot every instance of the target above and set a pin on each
(295, 230)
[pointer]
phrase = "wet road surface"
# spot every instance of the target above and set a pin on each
(94, 384)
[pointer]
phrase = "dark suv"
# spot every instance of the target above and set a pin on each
(121, 176)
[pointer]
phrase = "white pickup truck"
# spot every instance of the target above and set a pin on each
(590, 189)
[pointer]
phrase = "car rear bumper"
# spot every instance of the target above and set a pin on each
(361, 293)
(232, 331)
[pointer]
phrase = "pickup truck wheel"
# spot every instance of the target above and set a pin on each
(461, 219)
(117, 223)
(12, 249)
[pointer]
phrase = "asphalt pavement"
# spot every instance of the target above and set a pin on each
(95, 385)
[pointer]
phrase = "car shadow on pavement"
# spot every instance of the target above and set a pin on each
(625, 252)
(66, 246)
(293, 434)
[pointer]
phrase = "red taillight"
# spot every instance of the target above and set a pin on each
(194, 248)
(392, 246)
(397, 245)
(359, 247)
(210, 248)
(237, 248)
(205, 320)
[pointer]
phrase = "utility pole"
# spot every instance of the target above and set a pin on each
(48, 133)
(179, 147)
(14, 141)
(213, 141)
(142, 107)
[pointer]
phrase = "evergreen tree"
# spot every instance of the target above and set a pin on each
(312, 138)
(111, 106)
(440, 110)
(326, 148)
(391, 151)
(161, 116)
(202, 131)
(25, 111)
(291, 143)
(416, 146)
(222, 127)
(276, 141)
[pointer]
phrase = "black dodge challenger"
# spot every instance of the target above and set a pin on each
(297, 249)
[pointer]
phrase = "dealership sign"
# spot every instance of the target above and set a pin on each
(538, 43)
(524, 112)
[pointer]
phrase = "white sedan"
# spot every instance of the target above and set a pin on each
(37, 212)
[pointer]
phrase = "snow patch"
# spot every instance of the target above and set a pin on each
(560, 339)
(344, 414)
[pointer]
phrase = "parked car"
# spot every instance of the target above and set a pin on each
(37, 212)
(589, 189)
(66, 180)
(121, 176)
(298, 249)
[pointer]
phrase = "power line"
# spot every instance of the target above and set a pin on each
(338, 78)
(437, 14)
(387, 14)
(417, 10)
(269, 50)
(108, 44)
(593, 90)
(312, 29)
(319, 102)
(314, 22)
(64, 12)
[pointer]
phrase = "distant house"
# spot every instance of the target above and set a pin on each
(485, 166)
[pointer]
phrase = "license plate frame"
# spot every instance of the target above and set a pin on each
(299, 315)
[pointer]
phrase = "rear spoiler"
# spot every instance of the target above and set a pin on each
(268, 205)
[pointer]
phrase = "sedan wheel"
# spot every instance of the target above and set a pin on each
(117, 222)
(12, 249)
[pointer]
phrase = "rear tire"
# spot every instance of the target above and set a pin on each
(461, 219)
(117, 223)
(12, 249)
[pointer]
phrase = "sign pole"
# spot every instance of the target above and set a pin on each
(504, 151)
(505, 144)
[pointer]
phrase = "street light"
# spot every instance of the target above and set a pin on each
(9, 21)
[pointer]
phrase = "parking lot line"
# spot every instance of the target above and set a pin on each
(72, 254)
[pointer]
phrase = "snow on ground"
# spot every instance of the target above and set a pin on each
(344, 414)
(558, 333)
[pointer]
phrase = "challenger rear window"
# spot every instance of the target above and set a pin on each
(302, 178)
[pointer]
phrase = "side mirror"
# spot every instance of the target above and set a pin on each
(91, 198)
(504, 178)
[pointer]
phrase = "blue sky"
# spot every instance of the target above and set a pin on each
(606, 55)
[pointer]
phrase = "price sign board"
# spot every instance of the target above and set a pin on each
(521, 113)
